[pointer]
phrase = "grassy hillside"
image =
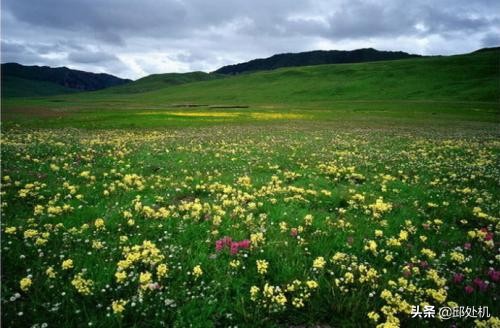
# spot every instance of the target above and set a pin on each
(160, 81)
(18, 87)
(62, 76)
(438, 90)
(473, 77)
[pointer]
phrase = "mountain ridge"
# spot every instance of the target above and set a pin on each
(26, 77)
(312, 58)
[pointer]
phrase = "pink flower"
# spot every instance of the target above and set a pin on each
(467, 246)
(458, 277)
(219, 245)
(469, 289)
(227, 240)
(494, 275)
(294, 232)
(480, 284)
(234, 248)
(424, 264)
(245, 243)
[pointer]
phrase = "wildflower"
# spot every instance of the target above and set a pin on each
(83, 286)
(458, 278)
(319, 262)
(120, 276)
(50, 272)
(429, 253)
(162, 270)
(67, 264)
(99, 224)
(234, 264)
(374, 316)
(457, 257)
(371, 245)
(118, 306)
(145, 278)
(10, 230)
(308, 219)
(197, 271)
(25, 284)
(262, 266)
(254, 291)
(311, 284)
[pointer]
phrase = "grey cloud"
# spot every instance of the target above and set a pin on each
(92, 57)
(154, 35)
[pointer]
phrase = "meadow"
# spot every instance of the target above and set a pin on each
(163, 209)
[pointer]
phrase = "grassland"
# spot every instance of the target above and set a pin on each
(338, 196)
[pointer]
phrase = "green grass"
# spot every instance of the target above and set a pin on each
(161, 81)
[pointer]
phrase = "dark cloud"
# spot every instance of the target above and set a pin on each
(134, 38)
(91, 57)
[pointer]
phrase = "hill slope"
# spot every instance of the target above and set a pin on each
(17, 87)
(26, 78)
(159, 81)
(471, 77)
(318, 57)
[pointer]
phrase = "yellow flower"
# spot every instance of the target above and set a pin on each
(254, 291)
(374, 316)
(67, 264)
(145, 278)
(99, 224)
(371, 245)
(162, 270)
(83, 286)
(308, 219)
(50, 272)
(234, 264)
(319, 262)
(262, 266)
(457, 257)
(120, 276)
(280, 299)
(428, 252)
(197, 271)
(118, 306)
(10, 230)
(25, 284)
(311, 284)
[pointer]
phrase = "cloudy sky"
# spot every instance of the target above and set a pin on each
(134, 38)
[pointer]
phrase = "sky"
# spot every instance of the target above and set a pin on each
(135, 38)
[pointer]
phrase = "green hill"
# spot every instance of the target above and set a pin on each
(25, 81)
(159, 81)
(18, 87)
(471, 77)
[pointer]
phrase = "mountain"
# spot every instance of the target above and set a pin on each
(20, 80)
(159, 81)
(318, 57)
